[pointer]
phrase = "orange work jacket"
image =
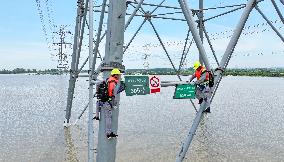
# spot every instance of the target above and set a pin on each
(199, 71)
(112, 82)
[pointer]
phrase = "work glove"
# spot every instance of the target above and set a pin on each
(122, 79)
(111, 98)
(191, 83)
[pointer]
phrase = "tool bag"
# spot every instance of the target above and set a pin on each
(211, 77)
(102, 92)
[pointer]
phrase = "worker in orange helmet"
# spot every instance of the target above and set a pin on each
(202, 82)
(106, 95)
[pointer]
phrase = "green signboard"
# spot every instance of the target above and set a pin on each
(185, 91)
(136, 85)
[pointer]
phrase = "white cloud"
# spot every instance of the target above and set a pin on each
(26, 55)
(254, 44)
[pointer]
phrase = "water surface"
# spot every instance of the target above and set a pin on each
(246, 123)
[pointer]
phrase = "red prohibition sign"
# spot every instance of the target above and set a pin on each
(154, 81)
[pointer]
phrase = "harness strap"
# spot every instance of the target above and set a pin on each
(110, 104)
(207, 79)
(205, 83)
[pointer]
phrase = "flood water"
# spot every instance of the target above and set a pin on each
(246, 123)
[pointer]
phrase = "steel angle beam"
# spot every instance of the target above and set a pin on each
(113, 53)
(223, 64)
(271, 25)
(277, 10)
(91, 140)
(134, 13)
(73, 73)
(233, 42)
(192, 26)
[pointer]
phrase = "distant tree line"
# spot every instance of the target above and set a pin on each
(34, 71)
(269, 72)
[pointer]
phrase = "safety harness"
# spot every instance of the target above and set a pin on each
(209, 80)
(102, 92)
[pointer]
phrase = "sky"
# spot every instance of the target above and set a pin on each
(27, 35)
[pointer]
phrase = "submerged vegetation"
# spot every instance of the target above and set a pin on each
(269, 72)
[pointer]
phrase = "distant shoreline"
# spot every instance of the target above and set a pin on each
(263, 72)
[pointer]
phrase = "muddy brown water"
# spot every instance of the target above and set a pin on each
(246, 123)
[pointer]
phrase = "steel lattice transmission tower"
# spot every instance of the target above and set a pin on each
(114, 50)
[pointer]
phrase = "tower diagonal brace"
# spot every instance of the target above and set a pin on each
(192, 26)
(211, 46)
(91, 142)
(277, 10)
(81, 36)
(97, 43)
(73, 73)
(187, 51)
(161, 42)
(223, 64)
(139, 28)
(164, 48)
(133, 14)
(183, 52)
(126, 47)
(271, 25)
(233, 42)
(231, 46)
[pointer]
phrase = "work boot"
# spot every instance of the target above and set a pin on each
(207, 110)
(108, 136)
(96, 118)
(200, 101)
(113, 135)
